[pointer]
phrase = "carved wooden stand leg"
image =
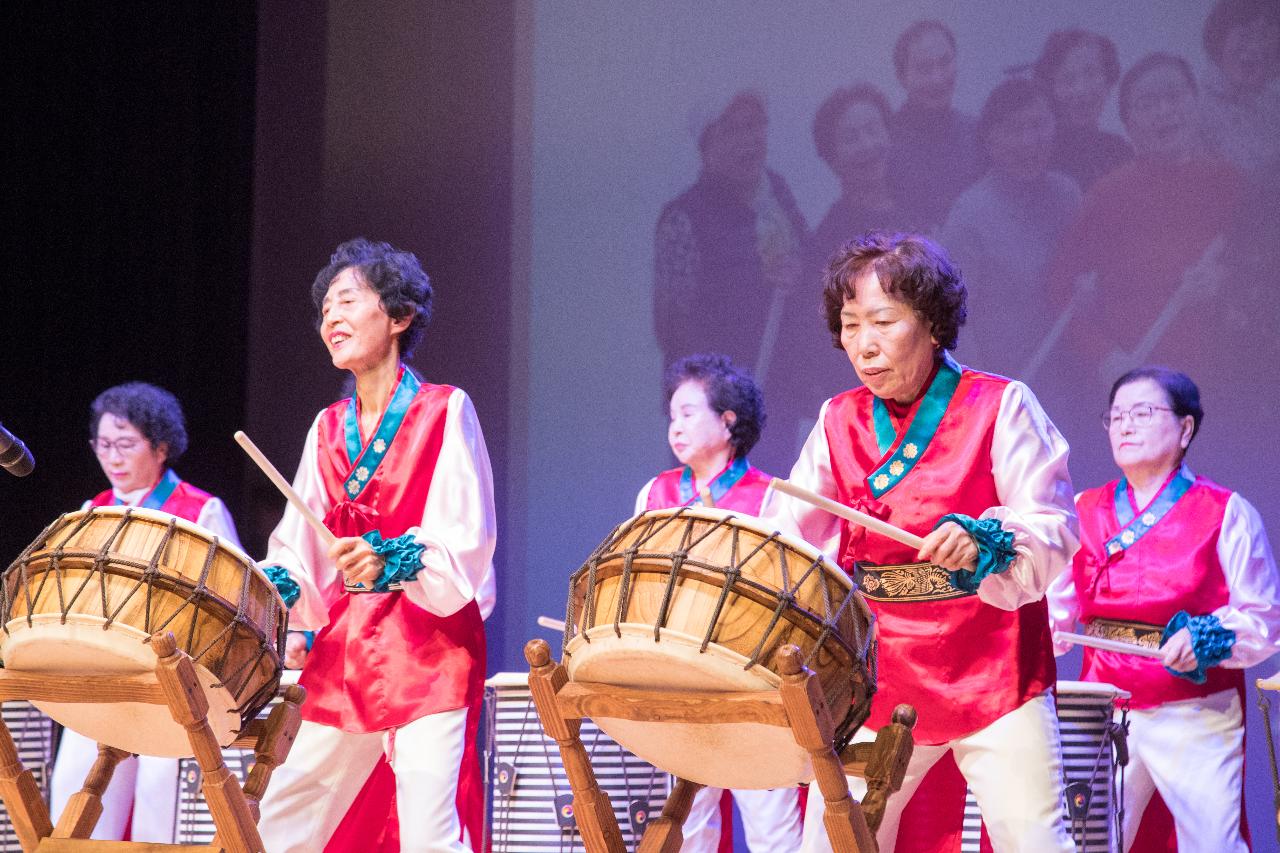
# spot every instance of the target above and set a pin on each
(798, 705)
(811, 723)
(175, 684)
(666, 834)
(85, 806)
(591, 806)
(21, 794)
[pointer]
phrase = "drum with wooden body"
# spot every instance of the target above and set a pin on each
(85, 597)
(699, 599)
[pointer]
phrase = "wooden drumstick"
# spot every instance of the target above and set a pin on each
(1107, 645)
(848, 513)
(553, 624)
(260, 459)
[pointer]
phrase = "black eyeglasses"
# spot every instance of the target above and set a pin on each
(1140, 414)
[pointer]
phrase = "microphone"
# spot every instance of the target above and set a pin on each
(14, 456)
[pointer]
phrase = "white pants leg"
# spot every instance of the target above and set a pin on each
(1192, 752)
(427, 756)
(155, 800)
(76, 754)
(922, 758)
(310, 793)
(701, 828)
(1014, 767)
(770, 819)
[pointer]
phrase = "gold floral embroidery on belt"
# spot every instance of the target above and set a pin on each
(906, 583)
(1138, 633)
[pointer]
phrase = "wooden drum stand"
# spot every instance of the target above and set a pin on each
(797, 705)
(234, 810)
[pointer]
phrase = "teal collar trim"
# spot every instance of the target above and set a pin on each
(918, 433)
(1132, 529)
(158, 496)
(724, 481)
(367, 459)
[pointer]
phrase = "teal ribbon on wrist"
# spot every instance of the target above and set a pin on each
(995, 549)
(1211, 642)
(403, 556)
(285, 585)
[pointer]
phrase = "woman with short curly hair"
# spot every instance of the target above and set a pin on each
(970, 462)
(137, 432)
(717, 415)
(401, 475)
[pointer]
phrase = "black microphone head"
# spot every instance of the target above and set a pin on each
(14, 456)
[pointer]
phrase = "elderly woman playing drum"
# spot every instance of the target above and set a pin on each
(1172, 560)
(137, 431)
(400, 474)
(969, 461)
(717, 415)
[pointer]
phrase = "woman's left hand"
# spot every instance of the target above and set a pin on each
(951, 547)
(1179, 656)
(357, 561)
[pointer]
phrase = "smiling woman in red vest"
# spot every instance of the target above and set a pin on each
(1172, 560)
(138, 432)
(400, 474)
(970, 462)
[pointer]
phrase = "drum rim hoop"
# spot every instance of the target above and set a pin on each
(749, 522)
(160, 517)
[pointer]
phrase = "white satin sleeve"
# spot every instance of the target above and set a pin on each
(1253, 604)
(297, 548)
(1029, 464)
(812, 471)
(642, 499)
(459, 528)
(1064, 606)
(216, 518)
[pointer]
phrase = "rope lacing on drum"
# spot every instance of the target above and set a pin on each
(100, 567)
(149, 573)
(733, 573)
(21, 564)
(669, 588)
(245, 670)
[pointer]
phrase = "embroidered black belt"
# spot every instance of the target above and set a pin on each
(360, 589)
(906, 583)
(1138, 633)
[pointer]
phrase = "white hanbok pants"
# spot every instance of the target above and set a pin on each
(147, 785)
(1013, 766)
(1192, 752)
(310, 793)
(770, 819)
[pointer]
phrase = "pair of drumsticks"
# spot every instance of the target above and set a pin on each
(871, 523)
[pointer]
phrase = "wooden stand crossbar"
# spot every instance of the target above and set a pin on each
(797, 705)
(234, 809)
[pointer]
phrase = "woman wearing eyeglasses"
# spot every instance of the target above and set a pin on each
(137, 431)
(1172, 560)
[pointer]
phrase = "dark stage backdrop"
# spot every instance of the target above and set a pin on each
(129, 150)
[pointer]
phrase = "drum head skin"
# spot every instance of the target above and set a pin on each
(725, 755)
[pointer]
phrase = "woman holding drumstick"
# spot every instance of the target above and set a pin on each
(400, 474)
(1172, 560)
(970, 462)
